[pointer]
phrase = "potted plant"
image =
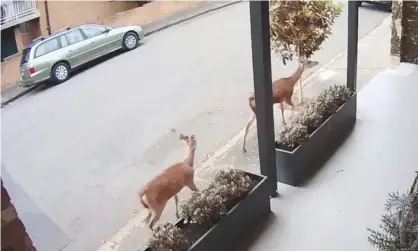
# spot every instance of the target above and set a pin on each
(300, 27)
(219, 216)
(313, 136)
(167, 236)
(399, 228)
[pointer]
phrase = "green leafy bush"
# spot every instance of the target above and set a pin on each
(293, 134)
(168, 237)
(311, 117)
(203, 207)
(313, 114)
(213, 202)
(399, 228)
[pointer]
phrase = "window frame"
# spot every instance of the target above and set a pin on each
(35, 55)
(92, 26)
(66, 39)
(25, 27)
(72, 30)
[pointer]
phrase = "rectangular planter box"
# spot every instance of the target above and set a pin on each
(297, 166)
(238, 224)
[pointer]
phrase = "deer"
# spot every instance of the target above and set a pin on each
(282, 93)
(155, 194)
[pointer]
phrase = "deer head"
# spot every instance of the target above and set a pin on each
(190, 141)
(308, 63)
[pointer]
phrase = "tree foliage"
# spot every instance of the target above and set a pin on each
(300, 27)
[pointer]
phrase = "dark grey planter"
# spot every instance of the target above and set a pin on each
(297, 166)
(237, 225)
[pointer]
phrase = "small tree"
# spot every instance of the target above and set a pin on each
(300, 27)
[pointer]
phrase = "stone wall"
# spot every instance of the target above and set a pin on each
(13, 232)
(404, 42)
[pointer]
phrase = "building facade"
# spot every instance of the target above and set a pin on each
(23, 21)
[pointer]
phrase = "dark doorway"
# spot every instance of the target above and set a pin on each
(141, 3)
(8, 43)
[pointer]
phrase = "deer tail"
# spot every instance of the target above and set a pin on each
(142, 193)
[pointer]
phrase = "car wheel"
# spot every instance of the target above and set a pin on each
(130, 41)
(60, 72)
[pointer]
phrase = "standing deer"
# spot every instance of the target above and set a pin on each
(158, 191)
(282, 92)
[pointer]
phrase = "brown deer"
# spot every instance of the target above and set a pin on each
(158, 191)
(282, 92)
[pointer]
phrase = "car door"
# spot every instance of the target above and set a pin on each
(79, 48)
(99, 38)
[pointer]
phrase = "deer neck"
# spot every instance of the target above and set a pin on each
(190, 156)
(296, 75)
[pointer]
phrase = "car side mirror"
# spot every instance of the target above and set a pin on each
(106, 31)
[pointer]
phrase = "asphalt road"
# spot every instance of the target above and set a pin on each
(73, 155)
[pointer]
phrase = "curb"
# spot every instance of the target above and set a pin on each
(3, 104)
(159, 25)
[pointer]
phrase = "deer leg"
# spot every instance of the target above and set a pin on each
(157, 214)
(247, 128)
(282, 109)
(176, 200)
(289, 102)
(192, 186)
(155, 217)
(148, 217)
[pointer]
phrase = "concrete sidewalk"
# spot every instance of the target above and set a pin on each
(373, 58)
(153, 17)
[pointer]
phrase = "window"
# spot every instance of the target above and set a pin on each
(47, 47)
(25, 56)
(63, 40)
(25, 27)
(74, 36)
(92, 31)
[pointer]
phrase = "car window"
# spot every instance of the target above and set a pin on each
(25, 56)
(64, 41)
(74, 36)
(47, 47)
(92, 31)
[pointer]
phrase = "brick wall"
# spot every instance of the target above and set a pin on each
(73, 13)
(13, 233)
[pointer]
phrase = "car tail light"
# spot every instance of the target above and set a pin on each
(32, 70)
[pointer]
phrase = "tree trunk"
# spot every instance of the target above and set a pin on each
(300, 79)
(409, 40)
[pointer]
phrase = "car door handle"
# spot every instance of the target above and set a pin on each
(93, 42)
(70, 51)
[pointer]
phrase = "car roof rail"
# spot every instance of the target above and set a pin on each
(63, 29)
(38, 39)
